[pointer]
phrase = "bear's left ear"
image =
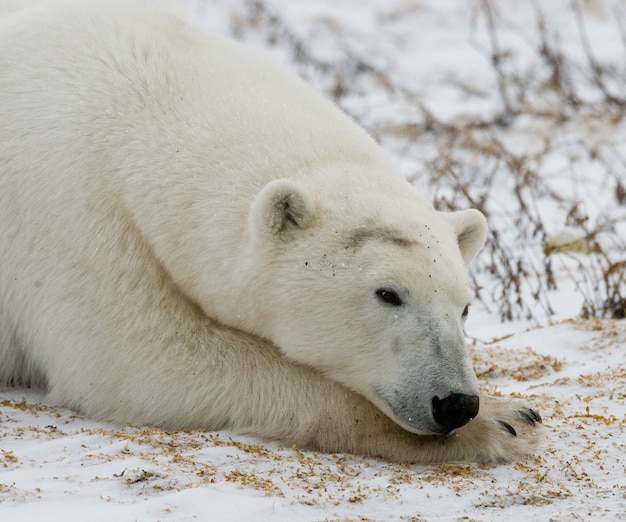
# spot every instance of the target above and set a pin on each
(470, 227)
(282, 205)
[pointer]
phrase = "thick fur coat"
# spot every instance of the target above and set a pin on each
(191, 237)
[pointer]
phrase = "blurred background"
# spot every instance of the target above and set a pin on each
(513, 107)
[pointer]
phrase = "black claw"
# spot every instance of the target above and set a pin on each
(508, 427)
(537, 416)
(529, 416)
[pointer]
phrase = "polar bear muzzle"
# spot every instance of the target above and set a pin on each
(438, 416)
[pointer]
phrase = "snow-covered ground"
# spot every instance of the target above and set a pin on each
(58, 466)
(420, 77)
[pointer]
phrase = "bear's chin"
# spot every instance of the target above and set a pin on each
(419, 424)
(418, 430)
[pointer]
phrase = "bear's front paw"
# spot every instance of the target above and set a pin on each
(503, 431)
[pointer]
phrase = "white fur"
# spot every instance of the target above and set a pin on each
(191, 237)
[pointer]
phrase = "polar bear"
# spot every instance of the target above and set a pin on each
(191, 237)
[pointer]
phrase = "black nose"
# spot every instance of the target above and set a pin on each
(455, 410)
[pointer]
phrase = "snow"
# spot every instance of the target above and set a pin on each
(57, 465)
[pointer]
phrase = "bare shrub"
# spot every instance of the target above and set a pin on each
(556, 102)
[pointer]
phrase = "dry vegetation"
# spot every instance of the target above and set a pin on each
(546, 227)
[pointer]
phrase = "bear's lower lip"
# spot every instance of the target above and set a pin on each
(409, 426)
(413, 423)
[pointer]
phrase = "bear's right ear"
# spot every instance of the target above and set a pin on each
(281, 206)
(470, 227)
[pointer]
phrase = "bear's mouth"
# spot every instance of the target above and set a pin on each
(440, 416)
(419, 427)
(415, 417)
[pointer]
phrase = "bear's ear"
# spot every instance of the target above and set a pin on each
(470, 227)
(281, 206)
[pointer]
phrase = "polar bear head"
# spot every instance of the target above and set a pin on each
(370, 288)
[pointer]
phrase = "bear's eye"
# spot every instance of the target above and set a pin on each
(388, 297)
(465, 312)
